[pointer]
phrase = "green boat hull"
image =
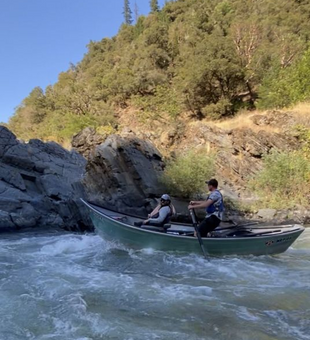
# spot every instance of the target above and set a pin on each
(134, 237)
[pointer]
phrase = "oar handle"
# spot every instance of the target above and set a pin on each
(193, 216)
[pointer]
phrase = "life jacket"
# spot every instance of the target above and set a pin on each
(168, 217)
(214, 207)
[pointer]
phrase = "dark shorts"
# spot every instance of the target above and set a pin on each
(208, 225)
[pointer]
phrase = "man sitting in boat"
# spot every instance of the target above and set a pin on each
(161, 215)
(214, 206)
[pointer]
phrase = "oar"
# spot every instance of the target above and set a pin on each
(195, 225)
(238, 226)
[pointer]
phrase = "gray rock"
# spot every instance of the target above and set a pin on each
(39, 185)
(11, 176)
(6, 222)
(27, 217)
(123, 174)
(267, 214)
(9, 204)
(7, 140)
(86, 141)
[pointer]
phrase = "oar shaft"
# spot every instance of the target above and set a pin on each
(195, 224)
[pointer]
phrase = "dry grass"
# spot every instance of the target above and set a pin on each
(244, 120)
(302, 110)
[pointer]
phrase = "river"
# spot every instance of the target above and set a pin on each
(66, 286)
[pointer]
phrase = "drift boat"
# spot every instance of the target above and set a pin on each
(233, 240)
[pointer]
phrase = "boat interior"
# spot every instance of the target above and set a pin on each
(225, 229)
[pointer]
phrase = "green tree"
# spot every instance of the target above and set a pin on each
(287, 86)
(127, 13)
(154, 6)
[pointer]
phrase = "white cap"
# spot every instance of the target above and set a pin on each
(166, 197)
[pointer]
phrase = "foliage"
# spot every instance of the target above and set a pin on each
(105, 130)
(303, 133)
(186, 175)
(162, 101)
(207, 57)
(284, 181)
(287, 86)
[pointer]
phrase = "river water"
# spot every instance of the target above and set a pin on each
(66, 286)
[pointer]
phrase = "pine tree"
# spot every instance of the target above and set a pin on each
(154, 6)
(127, 13)
(136, 11)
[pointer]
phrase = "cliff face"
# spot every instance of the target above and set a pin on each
(39, 185)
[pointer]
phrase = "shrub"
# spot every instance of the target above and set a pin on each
(186, 175)
(303, 134)
(105, 130)
(284, 181)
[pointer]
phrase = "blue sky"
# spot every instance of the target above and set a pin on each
(40, 38)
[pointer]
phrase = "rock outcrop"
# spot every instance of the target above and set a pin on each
(124, 173)
(39, 184)
(86, 140)
(239, 151)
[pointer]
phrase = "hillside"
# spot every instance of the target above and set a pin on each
(209, 59)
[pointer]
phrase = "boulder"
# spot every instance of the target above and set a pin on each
(40, 185)
(7, 140)
(124, 173)
(86, 141)
(267, 214)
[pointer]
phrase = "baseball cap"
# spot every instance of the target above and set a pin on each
(165, 197)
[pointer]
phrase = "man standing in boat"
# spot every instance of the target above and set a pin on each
(214, 206)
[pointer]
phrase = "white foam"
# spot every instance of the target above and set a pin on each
(73, 244)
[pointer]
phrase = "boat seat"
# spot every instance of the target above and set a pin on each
(167, 226)
(162, 229)
(153, 228)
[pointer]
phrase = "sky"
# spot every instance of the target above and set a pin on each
(40, 38)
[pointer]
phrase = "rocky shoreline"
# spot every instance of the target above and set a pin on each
(40, 185)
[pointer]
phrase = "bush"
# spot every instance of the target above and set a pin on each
(186, 175)
(284, 181)
(303, 134)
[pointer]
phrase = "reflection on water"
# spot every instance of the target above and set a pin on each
(81, 287)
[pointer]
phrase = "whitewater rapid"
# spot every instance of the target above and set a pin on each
(65, 286)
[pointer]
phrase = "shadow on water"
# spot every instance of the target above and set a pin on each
(67, 286)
